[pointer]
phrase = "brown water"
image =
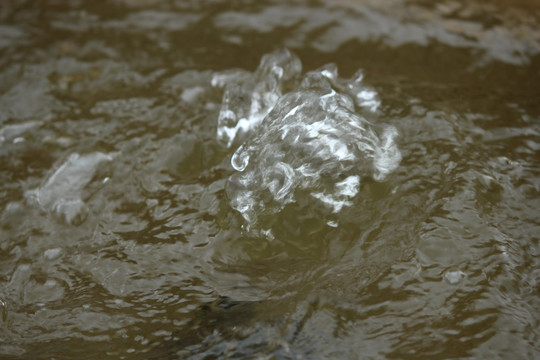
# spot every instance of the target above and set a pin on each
(118, 239)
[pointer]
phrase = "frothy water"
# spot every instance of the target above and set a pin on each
(311, 141)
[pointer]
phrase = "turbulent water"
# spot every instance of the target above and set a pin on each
(270, 179)
(307, 141)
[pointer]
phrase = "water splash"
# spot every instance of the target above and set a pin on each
(248, 99)
(311, 140)
(62, 192)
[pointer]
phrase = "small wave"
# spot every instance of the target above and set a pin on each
(311, 140)
(62, 192)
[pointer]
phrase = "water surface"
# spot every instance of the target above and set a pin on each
(127, 233)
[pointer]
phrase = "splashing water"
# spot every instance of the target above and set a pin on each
(61, 193)
(311, 140)
(248, 99)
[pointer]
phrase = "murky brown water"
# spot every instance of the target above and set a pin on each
(119, 231)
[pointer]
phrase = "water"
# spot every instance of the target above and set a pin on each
(271, 179)
(310, 140)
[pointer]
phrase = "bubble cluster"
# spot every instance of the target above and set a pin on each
(311, 140)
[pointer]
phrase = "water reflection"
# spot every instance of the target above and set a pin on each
(438, 260)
